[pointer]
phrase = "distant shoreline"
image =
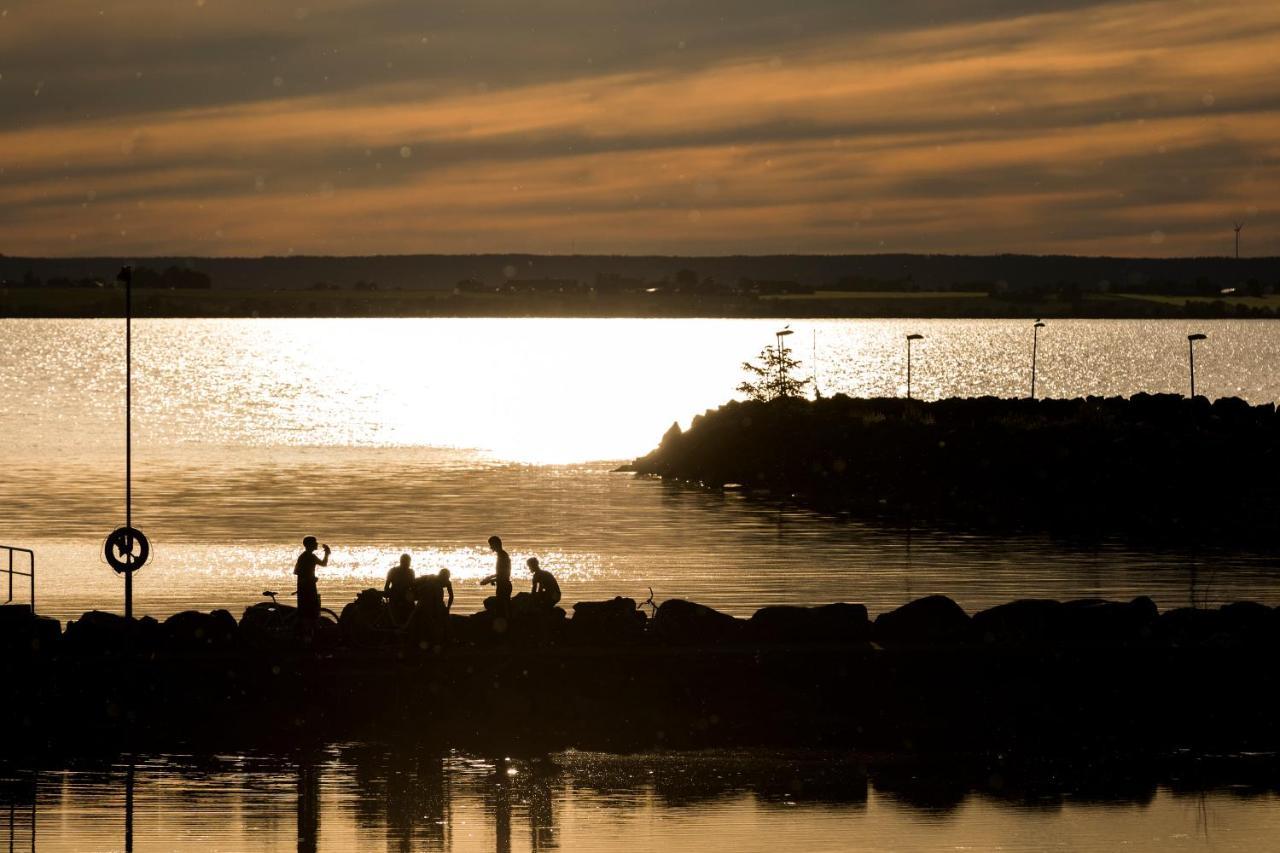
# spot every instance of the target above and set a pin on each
(763, 286)
(108, 302)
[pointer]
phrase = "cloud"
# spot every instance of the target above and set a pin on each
(826, 129)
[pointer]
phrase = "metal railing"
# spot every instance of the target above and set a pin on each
(12, 572)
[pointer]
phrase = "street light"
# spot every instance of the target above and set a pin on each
(910, 338)
(780, 334)
(1035, 340)
(1191, 358)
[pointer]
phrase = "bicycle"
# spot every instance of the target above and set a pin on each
(275, 621)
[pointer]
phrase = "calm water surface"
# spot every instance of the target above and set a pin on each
(355, 798)
(428, 435)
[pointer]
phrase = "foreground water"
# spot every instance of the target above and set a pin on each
(428, 435)
(357, 798)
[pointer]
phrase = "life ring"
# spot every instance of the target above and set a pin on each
(127, 549)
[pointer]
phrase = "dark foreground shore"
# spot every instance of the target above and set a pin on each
(1161, 467)
(1040, 677)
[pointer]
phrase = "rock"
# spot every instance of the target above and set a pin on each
(361, 618)
(1094, 623)
(97, 632)
(1247, 623)
(930, 620)
(1190, 627)
(22, 632)
(685, 623)
(193, 631)
(1239, 625)
(460, 629)
(101, 633)
(832, 623)
(533, 624)
(606, 623)
(15, 614)
(485, 628)
(1026, 622)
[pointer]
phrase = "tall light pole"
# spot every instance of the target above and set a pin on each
(780, 334)
(1238, 226)
(1035, 340)
(1191, 358)
(910, 338)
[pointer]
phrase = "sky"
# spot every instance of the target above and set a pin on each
(250, 127)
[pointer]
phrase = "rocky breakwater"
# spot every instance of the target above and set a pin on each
(1156, 466)
(1036, 675)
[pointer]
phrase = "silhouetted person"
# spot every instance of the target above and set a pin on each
(398, 591)
(501, 579)
(545, 590)
(305, 569)
(433, 595)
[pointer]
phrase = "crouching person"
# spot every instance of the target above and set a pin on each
(433, 598)
(545, 590)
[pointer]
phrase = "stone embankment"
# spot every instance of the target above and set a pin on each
(1039, 675)
(1156, 466)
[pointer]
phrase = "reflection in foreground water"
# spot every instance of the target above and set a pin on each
(364, 798)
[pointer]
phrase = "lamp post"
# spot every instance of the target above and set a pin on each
(1035, 340)
(910, 338)
(780, 334)
(1191, 358)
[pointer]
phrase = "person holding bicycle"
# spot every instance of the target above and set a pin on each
(305, 569)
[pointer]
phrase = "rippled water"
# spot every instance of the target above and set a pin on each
(356, 798)
(428, 435)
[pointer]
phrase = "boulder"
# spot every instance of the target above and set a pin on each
(101, 633)
(1247, 623)
(685, 623)
(193, 631)
(832, 623)
(934, 619)
(361, 618)
(1190, 627)
(1026, 622)
(1239, 625)
(606, 623)
(533, 624)
(485, 628)
(1095, 623)
(23, 632)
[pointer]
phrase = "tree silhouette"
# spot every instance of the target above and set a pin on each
(772, 377)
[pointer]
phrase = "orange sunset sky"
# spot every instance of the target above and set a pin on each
(248, 127)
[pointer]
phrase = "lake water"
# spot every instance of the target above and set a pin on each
(359, 798)
(382, 436)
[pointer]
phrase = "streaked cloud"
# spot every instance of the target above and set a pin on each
(353, 126)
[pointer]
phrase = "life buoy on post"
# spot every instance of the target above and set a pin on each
(127, 549)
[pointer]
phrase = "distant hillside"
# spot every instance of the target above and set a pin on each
(444, 272)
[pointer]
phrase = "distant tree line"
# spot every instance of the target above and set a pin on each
(172, 278)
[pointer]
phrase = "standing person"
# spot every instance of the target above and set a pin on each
(398, 590)
(545, 590)
(501, 579)
(305, 569)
